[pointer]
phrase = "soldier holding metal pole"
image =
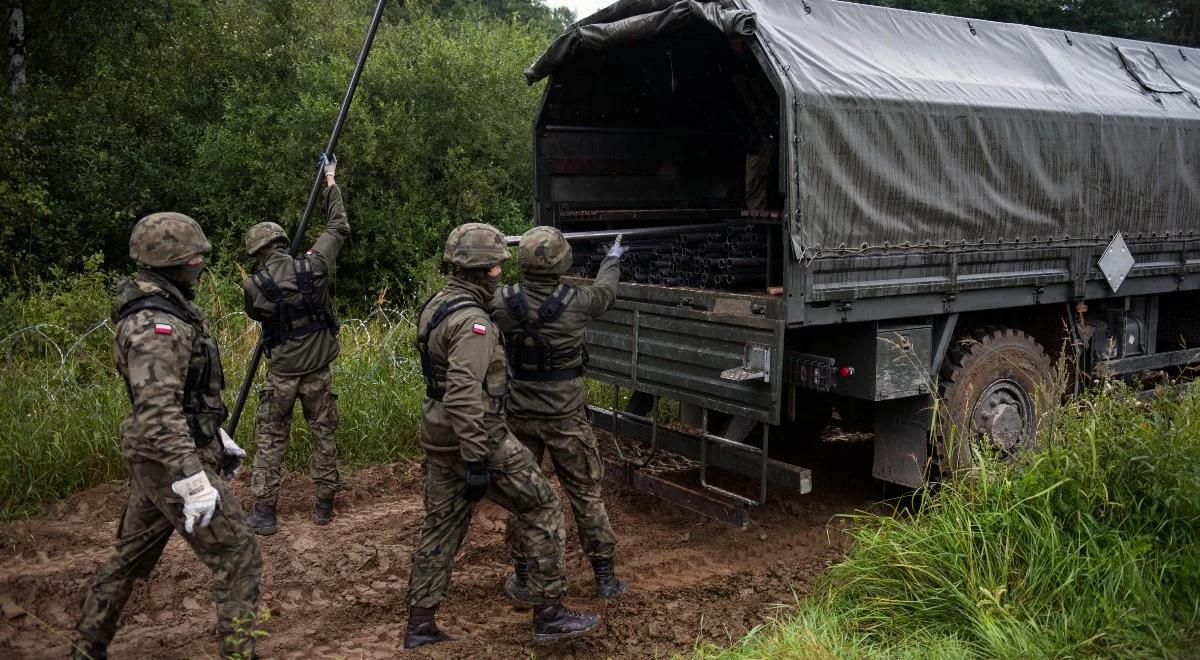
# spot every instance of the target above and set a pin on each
(290, 297)
(543, 320)
(469, 451)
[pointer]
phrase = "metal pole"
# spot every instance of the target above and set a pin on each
(636, 232)
(298, 237)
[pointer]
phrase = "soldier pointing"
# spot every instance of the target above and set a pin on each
(290, 297)
(469, 451)
(543, 319)
(172, 441)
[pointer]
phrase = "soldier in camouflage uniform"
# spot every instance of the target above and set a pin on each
(290, 297)
(543, 320)
(469, 452)
(171, 441)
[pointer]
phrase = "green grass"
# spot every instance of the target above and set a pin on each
(63, 400)
(1089, 550)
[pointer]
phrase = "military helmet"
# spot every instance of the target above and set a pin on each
(544, 250)
(475, 245)
(161, 240)
(262, 235)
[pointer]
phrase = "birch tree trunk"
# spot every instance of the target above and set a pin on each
(16, 46)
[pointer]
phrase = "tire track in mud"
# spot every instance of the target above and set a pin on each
(339, 591)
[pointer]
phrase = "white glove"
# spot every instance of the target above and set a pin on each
(200, 500)
(617, 249)
(234, 456)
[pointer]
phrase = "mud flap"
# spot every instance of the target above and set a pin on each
(902, 440)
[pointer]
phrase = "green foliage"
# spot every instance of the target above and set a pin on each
(64, 402)
(1090, 550)
(218, 110)
(1170, 21)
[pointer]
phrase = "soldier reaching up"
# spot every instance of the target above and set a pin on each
(543, 320)
(290, 297)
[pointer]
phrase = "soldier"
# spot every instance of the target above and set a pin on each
(543, 319)
(469, 452)
(290, 297)
(172, 442)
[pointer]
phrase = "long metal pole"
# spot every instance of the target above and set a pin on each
(298, 237)
(637, 232)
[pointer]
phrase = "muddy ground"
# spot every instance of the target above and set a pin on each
(338, 591)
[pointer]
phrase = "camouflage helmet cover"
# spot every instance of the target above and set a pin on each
(544, 250)
(475, 245)
(161, 240)
(262, 235)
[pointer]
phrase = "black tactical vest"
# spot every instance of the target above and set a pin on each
(205, 378)
(530, 355)
(434, 372)
(293, 320)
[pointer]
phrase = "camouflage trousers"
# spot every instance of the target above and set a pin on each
(273, 426)
(151, 513)
(576, 458)
(519, 486)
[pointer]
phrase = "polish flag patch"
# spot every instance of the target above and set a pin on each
(479, 329)
(162, 329)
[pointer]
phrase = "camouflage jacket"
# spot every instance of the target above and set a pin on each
(558, 399)
(305, 354)
(172, 371)
(467, 356)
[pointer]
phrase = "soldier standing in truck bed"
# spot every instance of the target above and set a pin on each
(469, 451)
(172, 442)
(290, 297)
(543, 320)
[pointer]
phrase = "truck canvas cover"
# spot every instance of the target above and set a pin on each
(921, 131)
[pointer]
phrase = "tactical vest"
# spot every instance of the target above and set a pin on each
(531, 357)
(435, 374)
(294, 320)
(205, 379)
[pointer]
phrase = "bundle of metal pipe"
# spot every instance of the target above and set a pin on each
(735, 257)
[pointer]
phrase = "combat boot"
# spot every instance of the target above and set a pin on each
(262, 518)
(323, 511)
(554, 623)
(422, 629)
(517, 585)
(608, 585)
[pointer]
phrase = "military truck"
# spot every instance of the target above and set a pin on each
(840, 212)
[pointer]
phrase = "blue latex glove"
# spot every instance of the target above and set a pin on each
(478, 480)
(617, 249)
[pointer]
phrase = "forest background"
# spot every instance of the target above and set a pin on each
(218, 109)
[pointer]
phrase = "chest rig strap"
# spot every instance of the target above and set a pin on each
(530, 355)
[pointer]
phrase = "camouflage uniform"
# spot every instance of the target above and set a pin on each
(548, 414)
(467, 425)
(299, 364)
(172, 370)
(469, 452)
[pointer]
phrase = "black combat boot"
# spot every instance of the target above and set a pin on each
(262, 518)
(608, 585)
(554, 623)
(323, 511)
(422, 629)
(517, 585)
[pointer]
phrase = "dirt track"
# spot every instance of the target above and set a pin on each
(339, 591)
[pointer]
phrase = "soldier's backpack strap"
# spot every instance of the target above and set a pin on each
(320, 317)
(272, 332)
(433, 388)
(541, 353)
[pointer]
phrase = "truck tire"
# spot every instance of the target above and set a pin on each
(994, 385)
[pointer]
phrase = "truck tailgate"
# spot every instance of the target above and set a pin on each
(678, 345)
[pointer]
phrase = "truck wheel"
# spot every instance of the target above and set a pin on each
(993, 385)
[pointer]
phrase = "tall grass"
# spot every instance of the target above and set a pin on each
(63, 401)
(1088, 550)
